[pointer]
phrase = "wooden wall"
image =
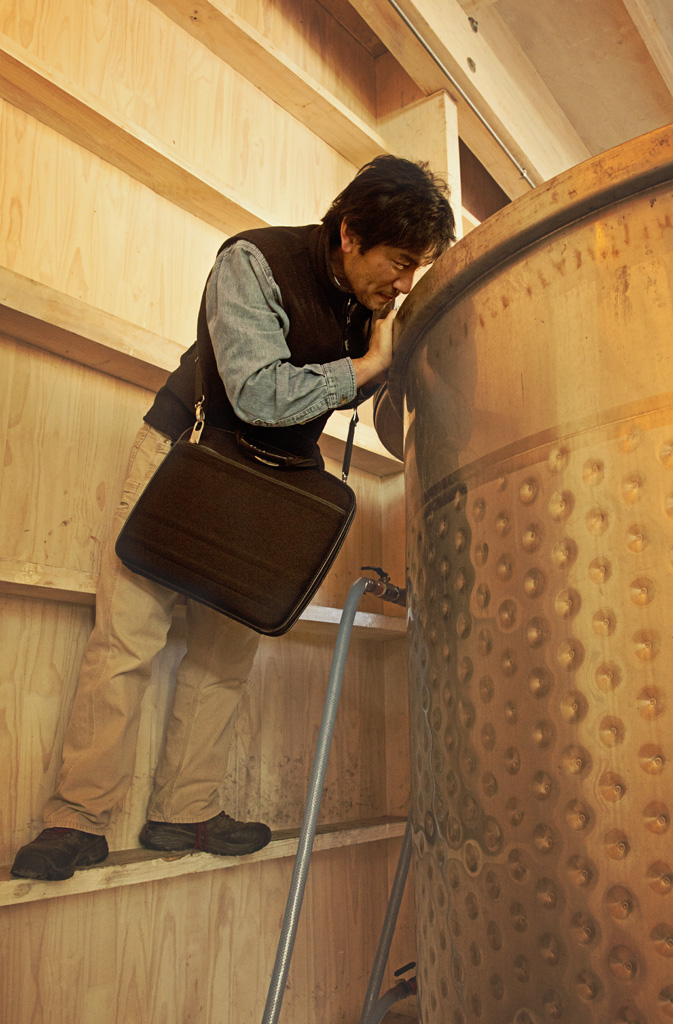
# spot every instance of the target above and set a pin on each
(134, 136)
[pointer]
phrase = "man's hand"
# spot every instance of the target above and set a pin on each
(375, 362)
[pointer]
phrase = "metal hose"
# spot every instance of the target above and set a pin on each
(459, 89)
(372, 1004)
(293, 907)
(387, 1001)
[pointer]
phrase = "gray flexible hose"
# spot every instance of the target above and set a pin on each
(387, 1001)
(370, 1008)
(293, 907)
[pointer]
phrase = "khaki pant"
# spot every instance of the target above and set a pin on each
(133, 616)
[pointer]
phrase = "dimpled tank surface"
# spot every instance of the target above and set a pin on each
(534, 380)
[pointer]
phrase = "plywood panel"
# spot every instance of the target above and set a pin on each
(49, 319)
(79, 225)
(428, 130)
(394, 86)
(238, 44)
(68, 434)
(311, 36)
(142, 64)
(481, 195)
(78, 115)
(276, 731)
(197, 949)
(193, 949)
(395, 681)
(42, 644)
(362, 545)
(85, 423)
(393, 531)
(7, 357)
(607, 61)
(273, 732)
(72, 428)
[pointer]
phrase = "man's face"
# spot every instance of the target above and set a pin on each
(381, 273)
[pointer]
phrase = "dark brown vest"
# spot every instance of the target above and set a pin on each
(325, 324)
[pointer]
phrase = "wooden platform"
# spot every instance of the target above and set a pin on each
(131, 867)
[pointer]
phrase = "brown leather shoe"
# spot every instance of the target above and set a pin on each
(221, 835)
(57, 852)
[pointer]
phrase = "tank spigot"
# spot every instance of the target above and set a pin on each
(383, 588)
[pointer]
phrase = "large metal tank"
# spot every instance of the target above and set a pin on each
(532, 388)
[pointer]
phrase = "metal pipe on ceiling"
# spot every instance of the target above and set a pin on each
(445, 71)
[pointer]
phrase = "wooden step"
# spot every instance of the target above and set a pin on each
(131, 867)
(52, 583)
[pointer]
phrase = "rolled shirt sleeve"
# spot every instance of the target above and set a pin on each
(249, 328)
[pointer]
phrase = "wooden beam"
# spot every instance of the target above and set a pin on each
(217, 26)
(38, 315)
(319, 620)
(497, 77)
(73, 586)
(428, 130)
(42, 92)
(654, 21)
(345, 14)
(131, 867)
(47, 582)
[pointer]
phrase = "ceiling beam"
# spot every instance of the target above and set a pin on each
(496, 76)
(654, 21)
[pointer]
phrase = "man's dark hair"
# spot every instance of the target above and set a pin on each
(392, 201)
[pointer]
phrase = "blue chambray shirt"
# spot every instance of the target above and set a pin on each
(249, 327)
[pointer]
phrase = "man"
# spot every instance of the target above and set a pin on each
(287, 317)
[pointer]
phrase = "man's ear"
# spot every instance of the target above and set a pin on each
(349, 240)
